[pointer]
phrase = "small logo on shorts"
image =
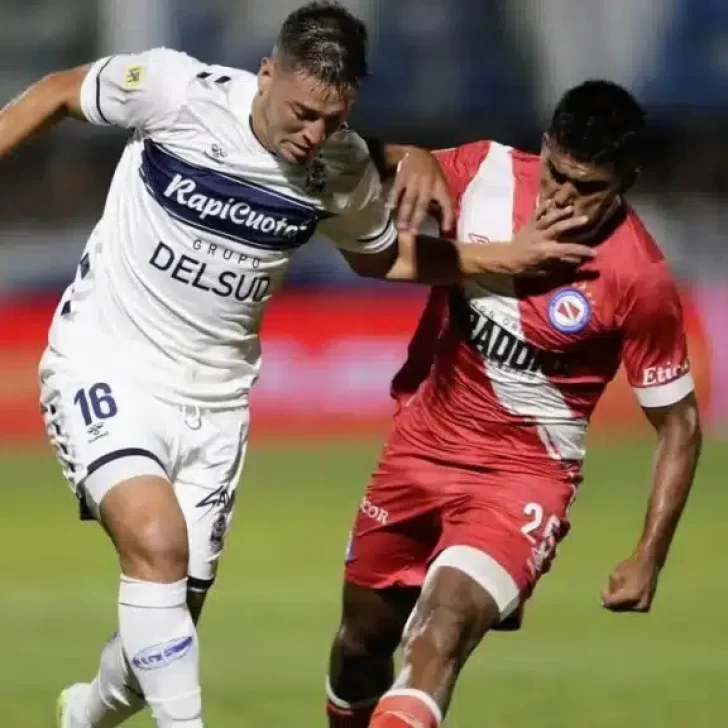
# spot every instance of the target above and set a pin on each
(368, 509)
(96, 432)
(219, 497)
(217, 532)
(569, 311)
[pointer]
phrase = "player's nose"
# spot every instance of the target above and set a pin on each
(564, 195)
(315, 132)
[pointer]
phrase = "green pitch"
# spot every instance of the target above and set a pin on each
(266, 632)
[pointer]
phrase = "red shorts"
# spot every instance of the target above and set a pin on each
(415, 508)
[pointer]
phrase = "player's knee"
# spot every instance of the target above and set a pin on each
(146, 524)
(361, 665)
(372, 621)
(159, 551)
(362, 638)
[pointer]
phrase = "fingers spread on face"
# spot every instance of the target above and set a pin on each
(553, 215)
(561, 226)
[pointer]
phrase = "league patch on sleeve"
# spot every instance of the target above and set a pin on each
(133, 76)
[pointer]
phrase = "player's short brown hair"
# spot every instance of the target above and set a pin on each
(325, 40)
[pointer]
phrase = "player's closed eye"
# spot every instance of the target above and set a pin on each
(582, 187)
(332, 122)
(590, 187)
(557, 176)
(303, 114)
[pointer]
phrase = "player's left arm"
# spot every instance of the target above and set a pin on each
(656, 359)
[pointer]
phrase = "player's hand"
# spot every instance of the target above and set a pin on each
(631, 586)
(536, 247)
(419, 183)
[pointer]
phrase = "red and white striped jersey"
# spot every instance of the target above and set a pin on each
(504, 374)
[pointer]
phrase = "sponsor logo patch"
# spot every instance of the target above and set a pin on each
(161, 655)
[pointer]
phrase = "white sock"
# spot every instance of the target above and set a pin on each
(114, 695)
(160, 642)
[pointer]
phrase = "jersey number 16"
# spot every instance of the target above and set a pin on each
(96, 402)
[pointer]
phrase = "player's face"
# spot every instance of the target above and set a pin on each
(301, 112)
(593, 190)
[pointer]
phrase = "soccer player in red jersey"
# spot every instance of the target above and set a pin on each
(472, 492)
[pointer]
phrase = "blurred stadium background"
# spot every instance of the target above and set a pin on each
(444, 71)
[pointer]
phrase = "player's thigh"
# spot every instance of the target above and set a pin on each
(212, 455)
(104, 430)
(504, 535)
(396, 529)
(451, 616)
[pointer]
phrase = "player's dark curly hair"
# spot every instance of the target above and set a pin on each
(325, 40)
(599, 122)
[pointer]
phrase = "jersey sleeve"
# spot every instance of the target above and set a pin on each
(143, 90)
(654, 349)
(366, 224)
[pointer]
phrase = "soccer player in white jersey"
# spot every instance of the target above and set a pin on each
(154, 346)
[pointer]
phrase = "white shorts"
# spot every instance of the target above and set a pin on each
(105, 429)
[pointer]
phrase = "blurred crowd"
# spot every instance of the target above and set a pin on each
(443, 71)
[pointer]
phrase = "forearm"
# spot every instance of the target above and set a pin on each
(387, 157)
(438, 261)
(442, 262)
(43, 104)
(676, 459)
(393, 154)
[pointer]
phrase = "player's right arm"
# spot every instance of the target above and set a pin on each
(440, 261)
(53, 98)
(369, 240)
(129, 90)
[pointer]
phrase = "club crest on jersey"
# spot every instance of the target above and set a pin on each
(569, 310)
(315, 182)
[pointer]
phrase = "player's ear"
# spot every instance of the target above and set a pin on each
(265, 75)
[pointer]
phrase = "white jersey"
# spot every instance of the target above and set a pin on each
(199, 226)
